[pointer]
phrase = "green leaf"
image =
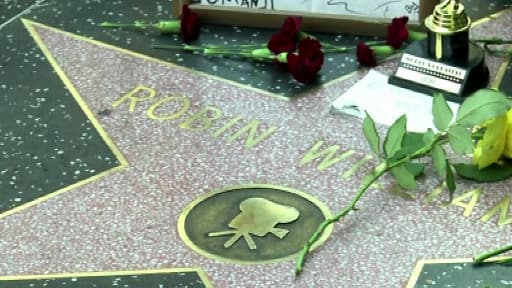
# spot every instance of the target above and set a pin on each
(413, 139)
(397, 190)
(428, 136)
(492, 173)
(416, 169)
(442, 113)
(450, 179)
(412, 142)
(371, 135)
(439, 160)
(460, 139)
(395, 136)
(482, 105)
(403, 177)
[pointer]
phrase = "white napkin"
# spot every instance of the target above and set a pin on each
(385, 103)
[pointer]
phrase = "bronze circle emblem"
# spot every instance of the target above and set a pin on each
(252, 223)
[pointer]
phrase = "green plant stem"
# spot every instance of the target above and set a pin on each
(214, 52)
(492, 41)
(247, 47)
(495, 41)
(243, 50)
(499, 53)
(114, 25)
(338, 49)
(125, 25)
(379, 170)
(368, 43)
(480, 258)
(320, 230)
(331, 48)
(178, 47)
(206, 51)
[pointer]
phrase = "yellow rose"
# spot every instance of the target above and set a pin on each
(496, 142)
(508, 145)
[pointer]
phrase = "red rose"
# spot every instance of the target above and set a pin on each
(285, 39)
(365, 55)
(305, 65)
(189, 25)
(281, 43)
(291, 25)
(397, 32)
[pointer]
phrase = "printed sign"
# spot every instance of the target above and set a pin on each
(369, 8)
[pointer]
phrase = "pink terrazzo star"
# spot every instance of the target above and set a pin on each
(128, 220)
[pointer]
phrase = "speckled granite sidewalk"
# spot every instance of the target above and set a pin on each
(156, 155)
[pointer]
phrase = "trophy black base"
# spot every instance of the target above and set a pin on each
(456, 79)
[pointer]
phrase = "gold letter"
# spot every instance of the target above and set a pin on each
(328, 155)
(203, 119)
(185, 105)
(435, 193)
(251, 128)
(468, 206)
(502, 206)
(132, 96)
(356, 166)
(226, 126)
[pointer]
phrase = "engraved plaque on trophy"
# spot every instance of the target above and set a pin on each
(446, 61)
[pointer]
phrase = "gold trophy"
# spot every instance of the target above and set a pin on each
(446, 61)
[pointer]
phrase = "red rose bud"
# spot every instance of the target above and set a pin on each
(291, 25)
(285, 39)
(189, 25)
(305, 65)
(281, 43)
(367, 55)
(397, 32)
